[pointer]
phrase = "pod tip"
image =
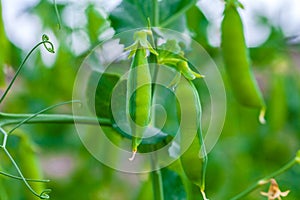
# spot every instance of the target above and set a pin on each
(133, 156)
(261, 117)
(204, 195)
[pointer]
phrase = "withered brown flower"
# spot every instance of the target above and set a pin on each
(274, 191)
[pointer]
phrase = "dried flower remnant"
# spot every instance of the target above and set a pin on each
(274, 191)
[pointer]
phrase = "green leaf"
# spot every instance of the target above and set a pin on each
(104, 89)
(5, 49)
(97, 23)
(268, 51)
(132, 14)
(197, 24)
(170, 50)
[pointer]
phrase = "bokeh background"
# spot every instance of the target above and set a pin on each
(246, 149)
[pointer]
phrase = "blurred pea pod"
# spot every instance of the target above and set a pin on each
(30, 165)
(3, 193)
(139, 88)
(195, 153)
(237, 63)
(5, 49)
(277, 106)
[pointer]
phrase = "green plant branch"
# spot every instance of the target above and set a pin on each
(266, 179)
(11, 119)
(178, 14)
(40, 112)
(155, 13)
(157, 183)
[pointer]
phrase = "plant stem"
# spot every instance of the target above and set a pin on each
(155, 13)
(20, 178)
(178, 14)
(9, 119)
(265, 180)
(157, 185)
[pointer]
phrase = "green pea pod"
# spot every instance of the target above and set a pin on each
(139, 96)
(194, 159)
(237, 64)
(30, 165)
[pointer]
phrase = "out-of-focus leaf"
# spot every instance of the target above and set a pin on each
(172, 185)
(49, 18)
(3, 193)
(146, 192)
(5, 49)
(269, 50)
(97, 23)
(132, 14)
(197, 24)
(29, 164)
(104, 89)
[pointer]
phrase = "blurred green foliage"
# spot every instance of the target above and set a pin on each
(245, 152)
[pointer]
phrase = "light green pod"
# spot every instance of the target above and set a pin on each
(194, 159)
(139, 96)
(237, 63)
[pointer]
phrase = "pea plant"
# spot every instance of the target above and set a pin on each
(144, 100)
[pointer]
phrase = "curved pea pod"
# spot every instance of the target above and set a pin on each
(237, 63)
(30, 165)
(278, 112)
(194, 159)
(139, 97)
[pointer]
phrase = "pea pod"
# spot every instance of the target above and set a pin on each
(195, 153)
(139, 89)
(237, 63)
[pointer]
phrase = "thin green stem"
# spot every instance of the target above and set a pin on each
(157, 185)
(155, 13)
(10, 119)
(50, 49)
(38, 113)
(20, 178)
(57, 14)
(265, 179)
(178, 14)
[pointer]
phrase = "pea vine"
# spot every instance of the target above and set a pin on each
(141, 51)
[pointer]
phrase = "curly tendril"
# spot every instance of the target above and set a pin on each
(48, 46)
(44, 194)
